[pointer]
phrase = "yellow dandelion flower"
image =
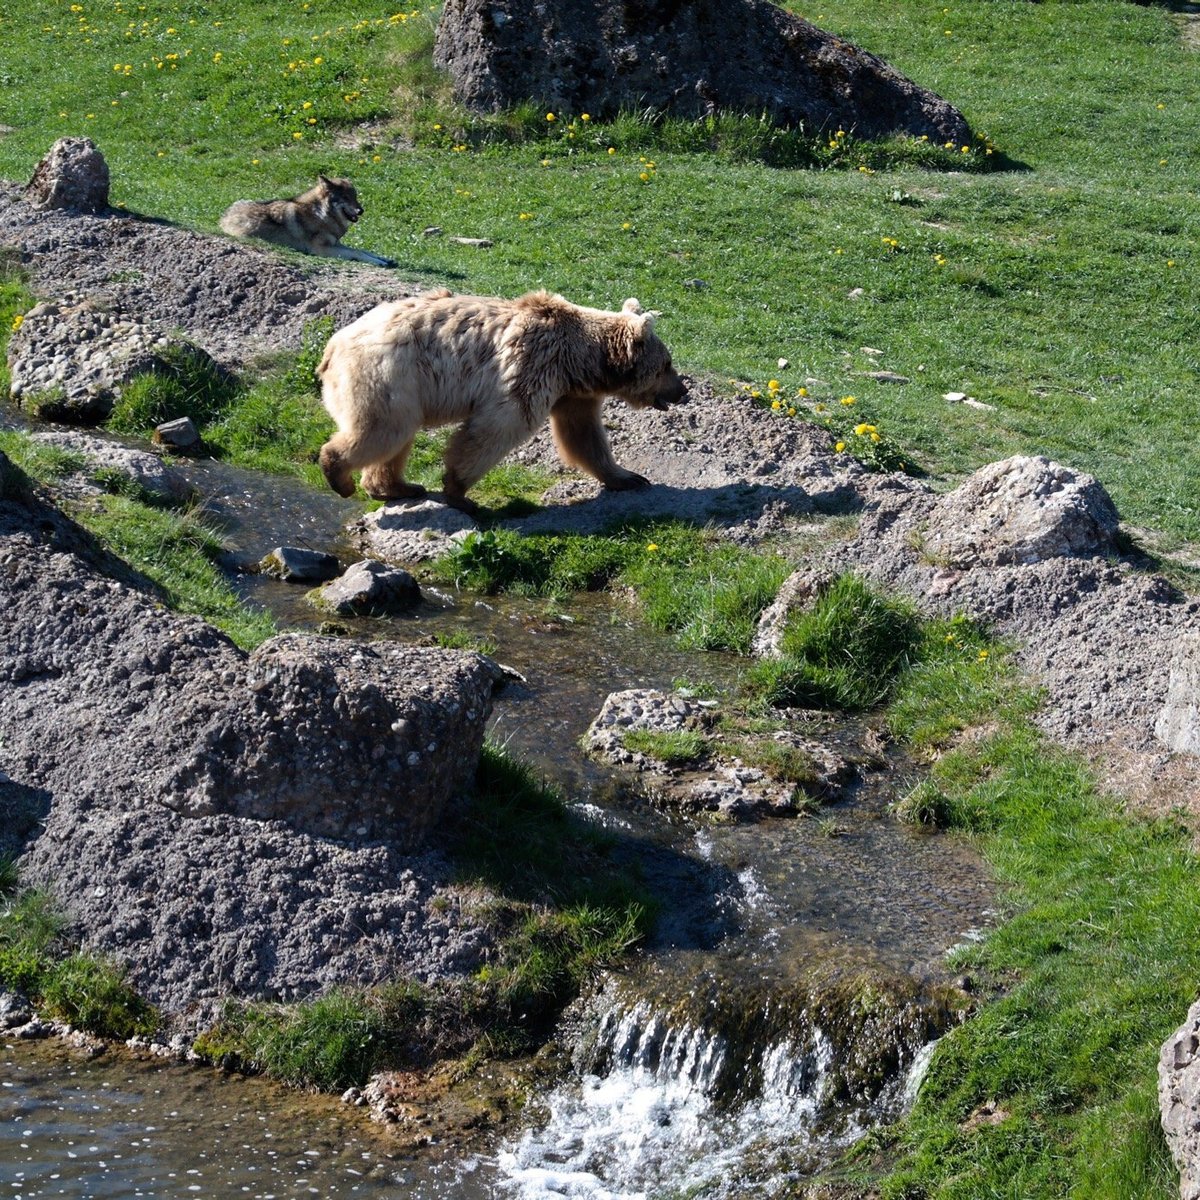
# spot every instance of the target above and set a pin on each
(840, 447)
(376, 158)
(218, 56)
(847, 401)
(776, 405)
(773, 384)
(1170, 262)
(306, 104)
(612, 150)
(859, 430)
(551, 117)
(791, 412)
(585, 116)
(652, 546)
(524, 216)
(545, 162)
(874, 436)
(298, 136)
(18, 321)
(644, 176)
(1160, 106)
(983, 656)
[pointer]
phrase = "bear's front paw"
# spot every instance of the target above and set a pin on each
(627, 482)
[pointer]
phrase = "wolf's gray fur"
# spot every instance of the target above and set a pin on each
(313, 222)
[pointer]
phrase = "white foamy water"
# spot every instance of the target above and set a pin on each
(651, 1124)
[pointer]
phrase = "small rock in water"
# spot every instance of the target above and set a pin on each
(298, 565)
(180, 434)
(369, 588)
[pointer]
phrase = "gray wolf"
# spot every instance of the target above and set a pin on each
(314, 222)
(500, 367)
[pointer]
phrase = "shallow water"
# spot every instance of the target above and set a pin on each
(760, 908)
(113, 1126)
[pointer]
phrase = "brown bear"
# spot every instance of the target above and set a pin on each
(501, 367)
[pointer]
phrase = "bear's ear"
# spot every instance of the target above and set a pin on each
(632, 305)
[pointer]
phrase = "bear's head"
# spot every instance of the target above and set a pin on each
(639, 365)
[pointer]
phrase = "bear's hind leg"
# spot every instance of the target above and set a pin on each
(581, 442)
(385, 481)
(471, 453)
(375, 445)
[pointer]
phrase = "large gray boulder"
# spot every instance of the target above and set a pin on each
(686, 57)
(1179, 1100)
(224, 823)
(108, 698)
(1020, 511)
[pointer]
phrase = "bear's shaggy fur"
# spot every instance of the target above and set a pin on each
(502, 368)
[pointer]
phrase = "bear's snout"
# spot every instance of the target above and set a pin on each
(674, 393)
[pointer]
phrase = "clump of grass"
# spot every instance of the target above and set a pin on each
(673, 747)
(846, 652)
(333, 1042)
(89, 992)
(184, 383)
(704, 590)
(461, 639)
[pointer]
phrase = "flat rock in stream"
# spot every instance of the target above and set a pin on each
(112, 462)
(411, 532)
(716, 779)
(369, 589)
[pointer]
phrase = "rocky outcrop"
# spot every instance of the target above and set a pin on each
(111, 699)
(70, 359)
(1179, 1101)
(1022, 510)
(688, 58)
(1178, 724)
(73, 176)
(222, 822)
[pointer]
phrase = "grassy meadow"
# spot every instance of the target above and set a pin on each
(1060, 289)
(1049, 271)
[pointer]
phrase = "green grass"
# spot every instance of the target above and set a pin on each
(1094, 967)
(1056, 301)
(688, 581)
(35, 960)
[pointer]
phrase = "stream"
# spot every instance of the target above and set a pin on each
(732, 1058)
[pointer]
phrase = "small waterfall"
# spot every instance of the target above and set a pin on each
(731, 1107)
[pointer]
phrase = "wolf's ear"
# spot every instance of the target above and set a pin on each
(323, 178)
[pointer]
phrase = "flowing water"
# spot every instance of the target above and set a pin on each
(730, 1059)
